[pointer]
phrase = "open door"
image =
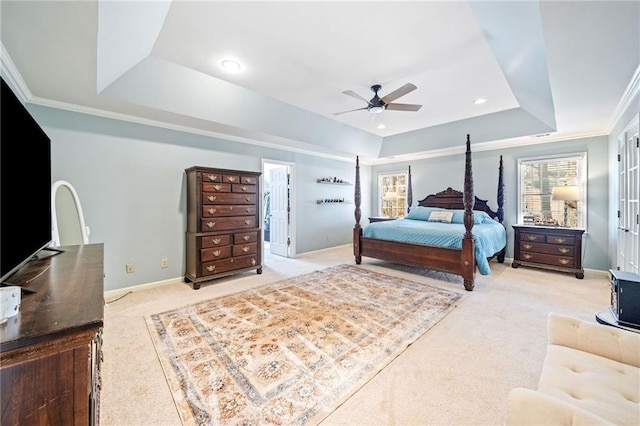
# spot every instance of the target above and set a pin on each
(279, 210)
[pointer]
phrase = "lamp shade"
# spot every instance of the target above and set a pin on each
(390, 196)
(565, 193)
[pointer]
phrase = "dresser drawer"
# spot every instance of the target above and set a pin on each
(211, 177)
(227, 223)
(548, 259)
(216, 187)
(245, 237)
(209, 254)
(215, 241)
(243, 188)
(538, 238)
(231, 178)
(212, 210)
(547, 248)
(227, 198)
(230, 264)
(561, 239)
(244, 249)
(251, 180)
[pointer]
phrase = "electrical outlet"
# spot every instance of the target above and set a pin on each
(164, 263)
(130, 268)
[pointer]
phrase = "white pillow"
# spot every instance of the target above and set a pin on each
(441, 216)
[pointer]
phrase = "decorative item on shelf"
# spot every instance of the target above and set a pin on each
(334, 180)
(569, 194)
(331, 200)
(390, 197)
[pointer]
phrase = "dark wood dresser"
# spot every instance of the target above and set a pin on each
(50, 352)
(547, 247)
(223, 224)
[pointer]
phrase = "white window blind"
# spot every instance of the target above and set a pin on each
(537, 178)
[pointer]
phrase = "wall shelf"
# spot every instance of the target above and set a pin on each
(333, 201)
(327, 182)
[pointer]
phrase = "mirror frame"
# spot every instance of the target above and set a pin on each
(84, 230)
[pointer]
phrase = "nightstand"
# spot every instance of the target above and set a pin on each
(380, 219)
(548, 247)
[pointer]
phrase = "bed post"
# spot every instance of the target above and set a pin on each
(500, 192)
(357, 229)
(502, 253)
(468, 243)
(409, 192)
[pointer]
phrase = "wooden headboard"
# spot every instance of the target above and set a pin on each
(453, 200)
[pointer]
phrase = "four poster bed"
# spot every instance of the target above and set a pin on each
(450, 231)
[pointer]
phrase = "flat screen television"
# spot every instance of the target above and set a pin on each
(25, 186)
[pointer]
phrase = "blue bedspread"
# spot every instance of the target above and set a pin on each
(490, 236)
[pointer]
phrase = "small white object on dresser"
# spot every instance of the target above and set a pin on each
(9, 302)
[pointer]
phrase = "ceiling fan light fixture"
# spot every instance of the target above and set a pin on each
(376, 109)
(230, 65)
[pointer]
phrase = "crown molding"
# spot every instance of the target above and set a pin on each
(13, 77)
(629, 94)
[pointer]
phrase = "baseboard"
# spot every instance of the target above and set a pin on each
(111, 294)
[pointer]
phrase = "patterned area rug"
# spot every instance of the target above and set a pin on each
(291, 352)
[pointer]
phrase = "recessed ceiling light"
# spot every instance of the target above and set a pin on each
(479, 101)
(230, 65)
(381, 126)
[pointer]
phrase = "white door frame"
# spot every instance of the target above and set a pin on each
(292, 200)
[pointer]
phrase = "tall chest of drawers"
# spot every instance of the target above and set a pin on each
(558, 249)
(223, 224)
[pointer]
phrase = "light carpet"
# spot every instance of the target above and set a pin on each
(293, 351)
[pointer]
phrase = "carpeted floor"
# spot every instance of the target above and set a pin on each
(290, 352)
(458, 373)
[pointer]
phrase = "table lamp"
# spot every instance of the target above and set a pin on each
(565, 193)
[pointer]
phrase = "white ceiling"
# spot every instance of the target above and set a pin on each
(544, 67)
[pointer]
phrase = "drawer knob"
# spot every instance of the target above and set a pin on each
(231, 179)
(563, 250)
(212, 211)
(527, 246)
(212, 177)
(217, 187)
(527, 256)
(246, 237)
(245, 249)
(244, 187)
(211, 224)
(560, 240)
(216, 253)
(247, 180)
(216, 241)
(248, 199)
(211, 268)
(532, 237)
(564, 261)
(248, 209)
(211, 198)
(248, 221)
(253, 262)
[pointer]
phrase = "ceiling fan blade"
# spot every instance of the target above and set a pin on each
(404, 107)
(355, 95)
(351, 110)
(399, 92)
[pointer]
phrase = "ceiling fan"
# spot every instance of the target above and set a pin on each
(377, 104)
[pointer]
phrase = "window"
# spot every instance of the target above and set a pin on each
(548, 186)
(392, 188)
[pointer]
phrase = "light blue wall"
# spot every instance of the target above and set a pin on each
(435, 174)
(131, 183)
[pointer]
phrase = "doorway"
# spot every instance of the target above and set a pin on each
(629, 198)
(278, 207)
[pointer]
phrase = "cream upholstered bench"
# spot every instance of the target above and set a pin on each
(590, 375)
